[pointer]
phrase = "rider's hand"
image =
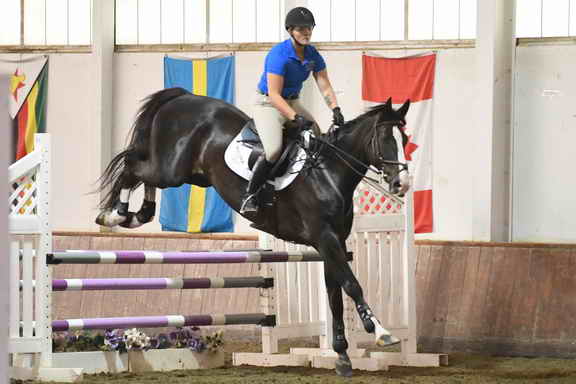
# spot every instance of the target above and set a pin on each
(302, 123)
(337, 118)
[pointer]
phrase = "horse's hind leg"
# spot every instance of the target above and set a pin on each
(146, 212)
(339, 342)
(117, 212)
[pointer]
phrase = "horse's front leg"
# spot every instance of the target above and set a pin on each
(146, 212)
(335, 259)
(339, 342)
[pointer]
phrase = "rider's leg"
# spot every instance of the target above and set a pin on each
(269, 123)
(260, 173)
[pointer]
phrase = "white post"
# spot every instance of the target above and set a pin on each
(495, 48)
(410, 275)
(103, 52)
(43, 274)
(268, 301)
(4, 261)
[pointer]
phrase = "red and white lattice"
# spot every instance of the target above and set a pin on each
(367, 201)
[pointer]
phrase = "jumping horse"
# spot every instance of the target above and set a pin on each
(181, 138)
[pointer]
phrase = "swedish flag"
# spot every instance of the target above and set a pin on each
(190, 208)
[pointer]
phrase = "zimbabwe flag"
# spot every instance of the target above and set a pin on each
(28, 86)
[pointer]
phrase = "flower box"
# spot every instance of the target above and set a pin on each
(171, 359)
(139, 361)
(92, 362)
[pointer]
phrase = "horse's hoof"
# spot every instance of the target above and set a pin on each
(110, 219)
(128, 222)
(343, 366)
(100, 219)
(387, 340)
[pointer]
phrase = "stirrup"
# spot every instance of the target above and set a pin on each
(251, 210)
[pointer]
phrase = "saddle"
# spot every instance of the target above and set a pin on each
(244, 149)
(290, 147)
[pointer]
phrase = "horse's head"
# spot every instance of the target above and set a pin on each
(386, 141)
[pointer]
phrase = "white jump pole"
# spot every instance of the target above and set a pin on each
(4, 262)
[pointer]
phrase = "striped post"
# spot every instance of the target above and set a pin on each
(160, 283)
(154, 257)
(163, 321)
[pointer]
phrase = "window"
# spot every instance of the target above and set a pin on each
(249, 21)
(46, 22)
(370, 20)
(10, 19)
(545, 18)
(68, 22)
(198, 21)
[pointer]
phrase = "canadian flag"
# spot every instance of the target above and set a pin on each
(408, 78)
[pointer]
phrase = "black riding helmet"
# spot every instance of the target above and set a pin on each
(299, 17)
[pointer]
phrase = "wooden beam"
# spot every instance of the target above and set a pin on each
(163, 235)
(324, 46)
(45, 49)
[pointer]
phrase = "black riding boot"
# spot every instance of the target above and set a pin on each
(249, 207)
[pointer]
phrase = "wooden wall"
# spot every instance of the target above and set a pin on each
(508, 299)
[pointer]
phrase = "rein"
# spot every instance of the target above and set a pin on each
(342, 155)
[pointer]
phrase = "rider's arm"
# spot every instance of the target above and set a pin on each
(326, 89)
(275, 85)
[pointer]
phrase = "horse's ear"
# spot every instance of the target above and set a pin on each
(403, 110)
(389, 103)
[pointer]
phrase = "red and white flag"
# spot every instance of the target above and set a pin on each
(408, 78)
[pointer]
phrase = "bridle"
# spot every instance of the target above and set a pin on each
(375, 147)
(351, 162)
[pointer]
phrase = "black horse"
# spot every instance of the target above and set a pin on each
(181, 138)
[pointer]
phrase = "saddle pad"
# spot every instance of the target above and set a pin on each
(237, 154)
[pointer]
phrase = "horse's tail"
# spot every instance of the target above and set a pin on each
(137, 148)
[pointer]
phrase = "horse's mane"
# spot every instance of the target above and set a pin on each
(374, 110)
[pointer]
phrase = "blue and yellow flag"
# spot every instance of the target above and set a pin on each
(190, 208)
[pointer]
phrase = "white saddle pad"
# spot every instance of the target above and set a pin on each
(236, 157)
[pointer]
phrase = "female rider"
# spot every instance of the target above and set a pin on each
(287, 66)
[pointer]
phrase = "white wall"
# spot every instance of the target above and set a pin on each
(542, 173)
(544, 187)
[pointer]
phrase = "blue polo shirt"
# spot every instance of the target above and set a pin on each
(283, 60)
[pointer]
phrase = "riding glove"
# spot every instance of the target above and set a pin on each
(302, 123)
(337, 118)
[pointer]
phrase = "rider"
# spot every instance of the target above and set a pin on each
(287, 66)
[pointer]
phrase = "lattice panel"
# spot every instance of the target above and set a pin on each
(369, 202)
(22, 195)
